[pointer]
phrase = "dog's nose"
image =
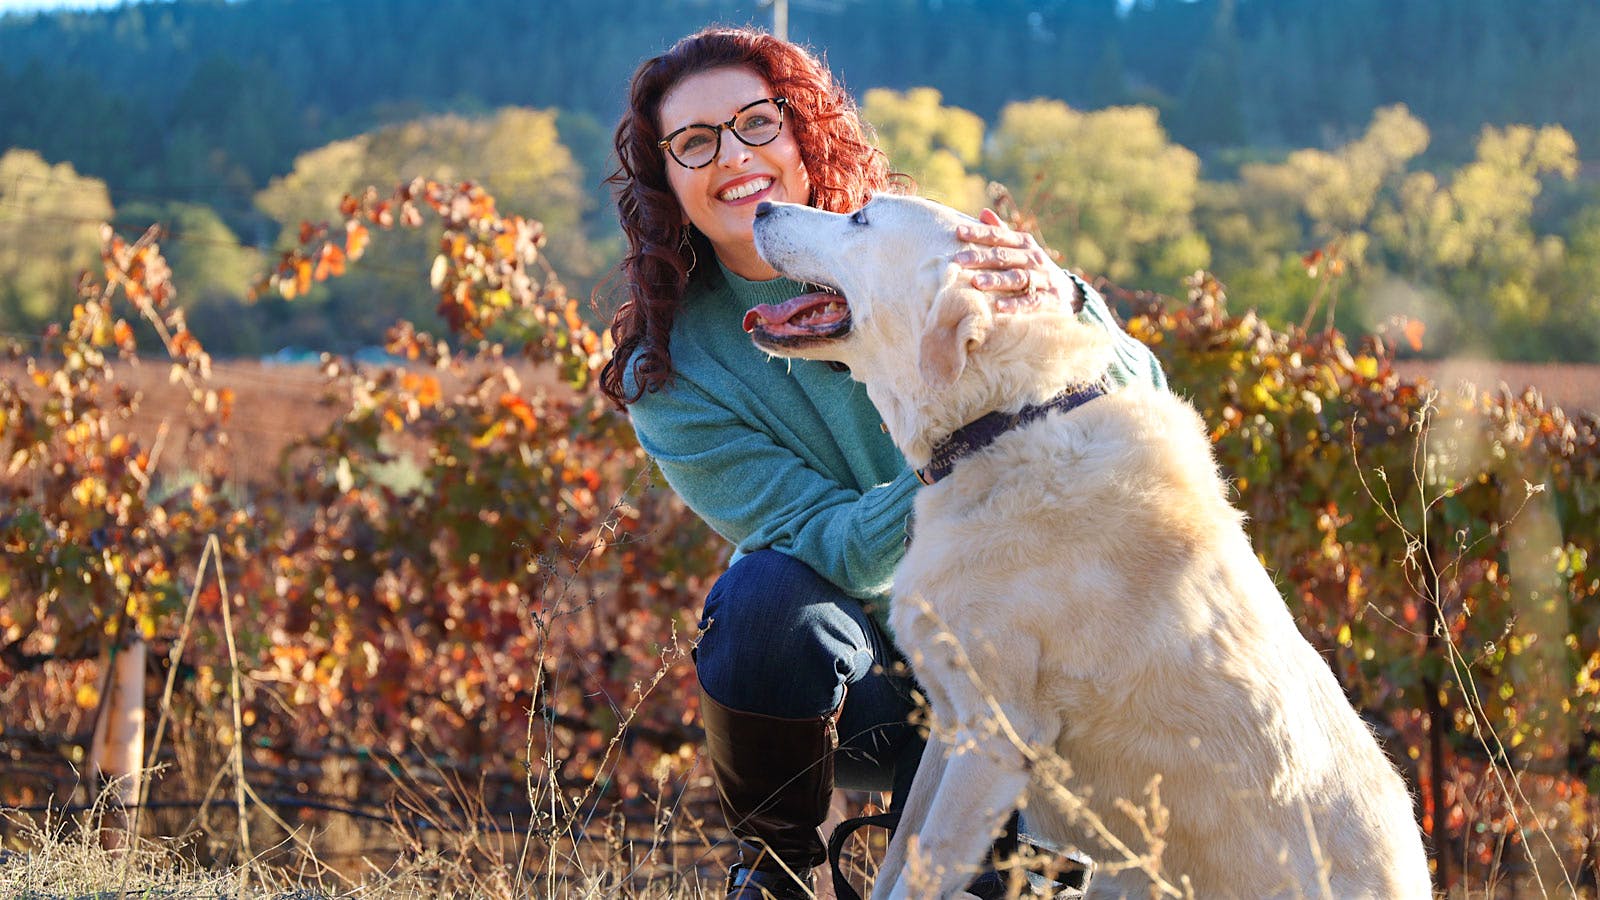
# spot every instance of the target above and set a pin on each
(763, 208)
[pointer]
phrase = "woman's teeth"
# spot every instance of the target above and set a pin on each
(745, 190)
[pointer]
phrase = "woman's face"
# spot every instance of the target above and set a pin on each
(720, 197)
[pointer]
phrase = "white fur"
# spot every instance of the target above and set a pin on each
(1082, 593)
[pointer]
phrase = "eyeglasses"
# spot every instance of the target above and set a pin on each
(695, 146)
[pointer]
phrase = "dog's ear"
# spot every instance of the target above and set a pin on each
(957, 325)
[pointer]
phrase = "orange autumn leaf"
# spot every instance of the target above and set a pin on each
(355, 240)
(184, 343)
(519, 407)
(330, 262)
(505, 245)
(1413, 331)
(425, 388)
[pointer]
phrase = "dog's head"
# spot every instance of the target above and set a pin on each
(893, 305)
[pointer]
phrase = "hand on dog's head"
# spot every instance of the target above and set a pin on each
(926, 343)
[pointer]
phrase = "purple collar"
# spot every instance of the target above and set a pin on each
(981, 432)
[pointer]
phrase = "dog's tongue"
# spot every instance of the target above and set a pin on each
(803, 313)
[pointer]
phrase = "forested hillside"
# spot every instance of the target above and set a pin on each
(185, 112)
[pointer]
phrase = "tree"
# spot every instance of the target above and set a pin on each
(1575, 293)
(245, 116)
(1209, 113)
(1313, 201)
(206, 257)
(515, 153)
(1474, 236)
(935, 144)
(1336, 191)
(50, 220)
(1109, 189)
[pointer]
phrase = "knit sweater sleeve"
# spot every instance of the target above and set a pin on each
(759, 494)
(1131, 360)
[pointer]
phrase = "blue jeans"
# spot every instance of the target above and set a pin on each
(782, 641)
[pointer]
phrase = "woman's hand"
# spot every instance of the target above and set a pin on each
(1011, 266)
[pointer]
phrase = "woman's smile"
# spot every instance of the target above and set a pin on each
(741, 189)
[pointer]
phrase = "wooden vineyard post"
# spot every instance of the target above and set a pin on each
(117, 753)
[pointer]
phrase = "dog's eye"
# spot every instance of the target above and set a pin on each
(859, 217)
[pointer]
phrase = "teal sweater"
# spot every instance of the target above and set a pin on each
(789, 454)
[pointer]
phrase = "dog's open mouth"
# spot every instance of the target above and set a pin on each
(816, 317)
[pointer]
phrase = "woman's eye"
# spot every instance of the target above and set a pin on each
(859, 217)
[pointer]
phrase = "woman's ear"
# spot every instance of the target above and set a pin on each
(957, 325)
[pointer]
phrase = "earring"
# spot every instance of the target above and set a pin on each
(686, 244)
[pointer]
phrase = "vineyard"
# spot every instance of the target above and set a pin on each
(448, 599)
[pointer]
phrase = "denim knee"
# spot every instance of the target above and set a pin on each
(781, 640)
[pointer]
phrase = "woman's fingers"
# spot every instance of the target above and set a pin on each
(994, 234)
(1010, 280)
(1009, 264)
(995, 258)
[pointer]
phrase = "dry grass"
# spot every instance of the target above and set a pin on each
(63, 860)
(440, 841)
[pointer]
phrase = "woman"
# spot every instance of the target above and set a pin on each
(801, 687)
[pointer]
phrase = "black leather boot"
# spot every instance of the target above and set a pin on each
(775, 779)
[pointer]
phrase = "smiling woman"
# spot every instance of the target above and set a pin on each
(723, 181)
(801, 686)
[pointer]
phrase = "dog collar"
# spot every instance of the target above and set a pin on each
(981, 432)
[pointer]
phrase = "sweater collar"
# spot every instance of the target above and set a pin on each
(751, 294)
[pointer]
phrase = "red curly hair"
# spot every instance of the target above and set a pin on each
(845, 169)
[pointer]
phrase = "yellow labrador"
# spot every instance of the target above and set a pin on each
(1080, 601)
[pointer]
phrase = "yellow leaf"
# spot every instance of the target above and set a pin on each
(87, 697)
(487, 438)
(1344, 635)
